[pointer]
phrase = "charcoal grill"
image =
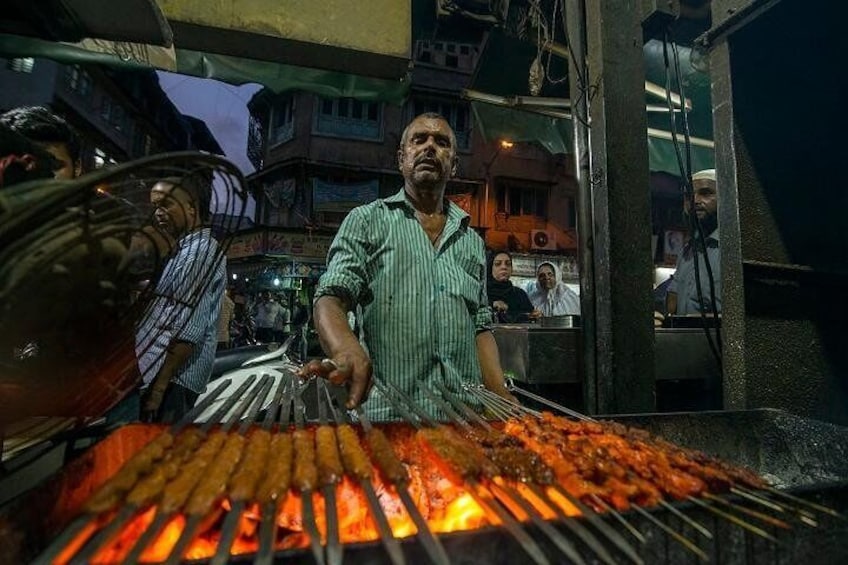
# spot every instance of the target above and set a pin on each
(805, 456)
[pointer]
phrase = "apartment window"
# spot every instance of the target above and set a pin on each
(21, 64)
(255, 149)
(282, 121)
(457, 114)
(520, 199)
(459, 56)
(347, 117)
(78, 80)
(118, 117)
(106, 108)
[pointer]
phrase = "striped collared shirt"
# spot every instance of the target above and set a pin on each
(185, 307)
(422, 305)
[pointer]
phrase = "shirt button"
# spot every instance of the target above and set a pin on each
(442, 288)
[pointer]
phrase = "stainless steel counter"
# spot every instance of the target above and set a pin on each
(533, 354)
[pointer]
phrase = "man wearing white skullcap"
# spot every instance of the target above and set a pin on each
(682, 297)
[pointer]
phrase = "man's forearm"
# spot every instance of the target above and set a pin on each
(176, 355)
(490, 362)
(331, 322)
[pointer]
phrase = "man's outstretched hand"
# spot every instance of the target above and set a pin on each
(349, 367)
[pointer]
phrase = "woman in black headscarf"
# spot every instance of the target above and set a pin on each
(509, 303)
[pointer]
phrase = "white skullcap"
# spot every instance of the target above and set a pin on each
(708, 174)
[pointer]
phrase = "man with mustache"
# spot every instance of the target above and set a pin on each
(682, 297)
(417, 269)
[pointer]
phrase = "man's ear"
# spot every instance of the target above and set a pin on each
(400, 159)
(454, 166)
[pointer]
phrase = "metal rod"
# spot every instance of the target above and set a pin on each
(512, 409)
(380, 521)
(434, 548)
(390, 543)
(759, 500)
(619, 518)
(334, 548)
(68, 535)
(748, 512)
(274, 407)
(403, 404)
(734, 519)
(228, 534)
(179, 549)
(565, 546)
(554, 405)
(105, 535)
(469, 414)
(527, 543)
(807, 503)
(700, 528)
(311, 527)
(267, 534)
(676, 536)
(145, 538)
(308, 511)
(578, 529)
(593, 518)
(443, 406)
(201, 406)
(263, 388)
(804, 516)
(489, 405)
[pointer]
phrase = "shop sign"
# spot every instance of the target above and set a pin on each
(245, 245)
(298, 244)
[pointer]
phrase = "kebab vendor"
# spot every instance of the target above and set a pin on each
(418, 270)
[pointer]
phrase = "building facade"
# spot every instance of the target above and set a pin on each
(317, 157)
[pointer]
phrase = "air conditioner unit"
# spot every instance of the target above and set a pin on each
(542, 240)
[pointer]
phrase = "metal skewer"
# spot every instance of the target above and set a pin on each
(676, 536)
(748, 512)
(617, 515)
(228, 529)
(308, 509)
(194, 520)
(434, 548)
(268, 521)
(391, 544)
(733, 519)
(804, 516)
(698, 527)
(334, 548)
(510, 494)
(476, 490)
(162, 518)
(72, 531)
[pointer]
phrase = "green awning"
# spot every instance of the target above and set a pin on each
(235, 70)
(496, 122)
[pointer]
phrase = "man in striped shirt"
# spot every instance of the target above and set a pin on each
(177, 338)
(417, 269)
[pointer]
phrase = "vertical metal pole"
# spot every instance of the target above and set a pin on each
(614, 204)
(574, 15)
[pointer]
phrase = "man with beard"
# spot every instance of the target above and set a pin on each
(417, 269)
(682, 297)
(177, 338)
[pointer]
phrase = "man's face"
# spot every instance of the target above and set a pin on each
(546, 277)
(428, 155)
(501, 267)
(173, 209)
(706, 198)
(61, 154)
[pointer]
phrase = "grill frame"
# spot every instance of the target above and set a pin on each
(772, 442)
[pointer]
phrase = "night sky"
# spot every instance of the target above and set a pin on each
(222, 106)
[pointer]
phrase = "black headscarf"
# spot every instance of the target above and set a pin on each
(497, 290)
